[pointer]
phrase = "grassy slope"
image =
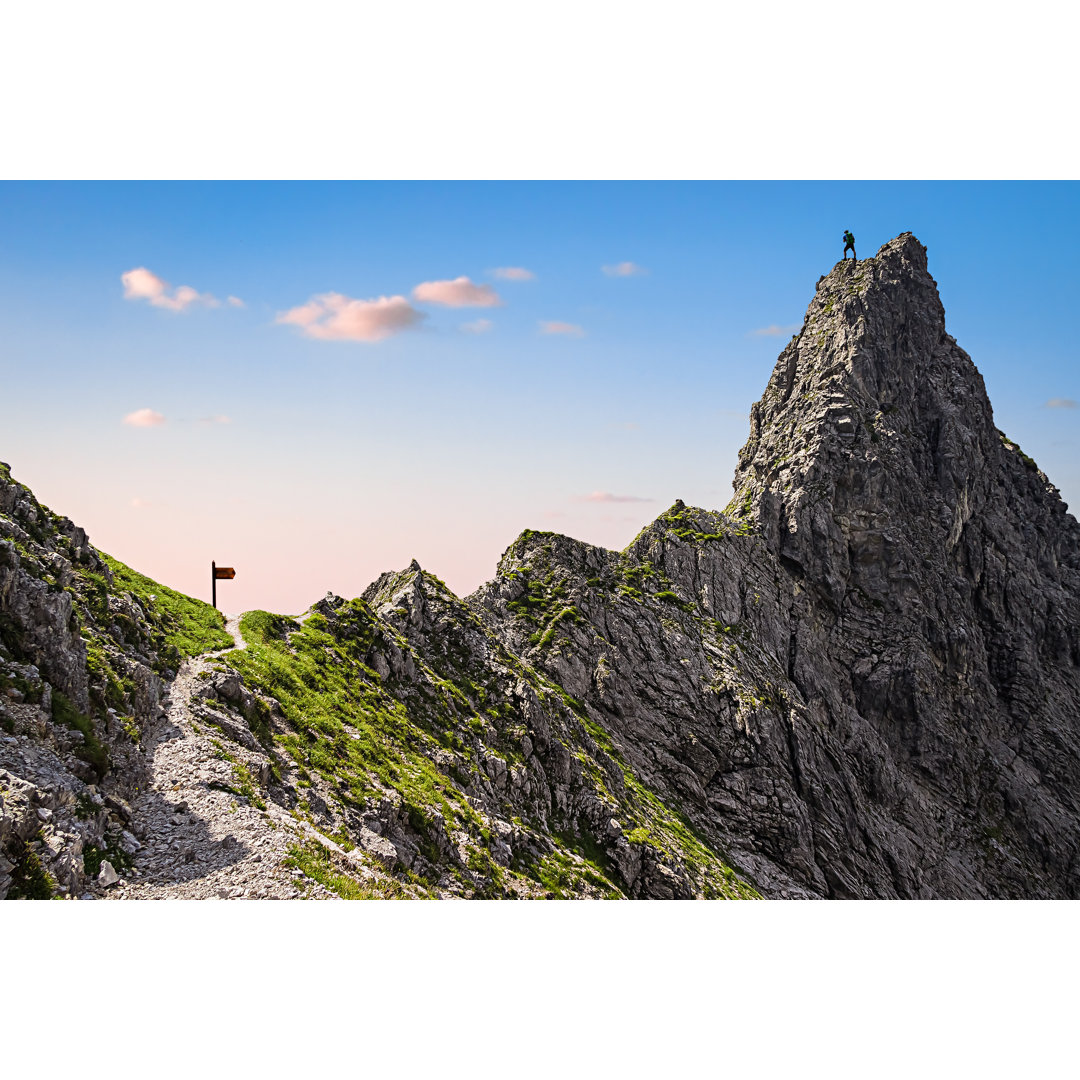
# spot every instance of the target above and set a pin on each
(366, 737)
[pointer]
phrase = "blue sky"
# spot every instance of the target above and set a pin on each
(343, 458)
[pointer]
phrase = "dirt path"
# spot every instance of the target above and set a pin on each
(197, 841)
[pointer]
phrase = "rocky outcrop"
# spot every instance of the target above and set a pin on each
(864, 677)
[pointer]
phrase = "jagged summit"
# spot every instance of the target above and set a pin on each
(876, 425)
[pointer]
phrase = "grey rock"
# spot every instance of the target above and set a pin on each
(107, 876)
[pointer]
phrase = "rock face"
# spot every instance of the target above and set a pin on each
(860, 680)
(888, 702)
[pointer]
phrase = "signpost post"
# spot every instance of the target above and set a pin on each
(226, 573)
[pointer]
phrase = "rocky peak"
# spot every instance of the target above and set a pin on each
(876, 432)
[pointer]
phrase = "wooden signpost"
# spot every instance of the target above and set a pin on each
(225, 573)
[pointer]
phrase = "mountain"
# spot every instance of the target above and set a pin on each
(862, 679)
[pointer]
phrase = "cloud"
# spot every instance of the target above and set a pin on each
(461, 292)
(561, 328)
(206, 421)
(143, 284)
(624, 269)
(1060, 403)
(479, 326)
(334, 317)
(607, 497)
(628, 425)
(774, 331)
(234, 301)
(513, 273)
(144, 418)
(136, 502)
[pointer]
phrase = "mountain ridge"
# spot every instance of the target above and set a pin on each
(862, 679)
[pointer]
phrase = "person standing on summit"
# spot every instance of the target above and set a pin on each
(849, 243)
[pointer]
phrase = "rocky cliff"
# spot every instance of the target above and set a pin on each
(860, 680)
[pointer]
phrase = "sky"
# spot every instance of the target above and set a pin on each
(317, 382)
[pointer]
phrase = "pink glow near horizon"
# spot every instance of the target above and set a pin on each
(607, 497)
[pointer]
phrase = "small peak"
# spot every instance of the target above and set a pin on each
(906, 246)
(414, 566)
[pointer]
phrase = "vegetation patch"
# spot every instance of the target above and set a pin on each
(94, 856)
(315, 861)
(181, 626)
(29, 879)
(91, 751)
(1010, 445)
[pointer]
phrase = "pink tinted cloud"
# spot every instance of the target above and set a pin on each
(570, 329)
(774, 331)
(221, 418)
(513, 273)
(607, 497)
(234, 301)
(461, 292)
(624, 269)
(143, 284)
(478, 326)
(334, 317)
(144, 418)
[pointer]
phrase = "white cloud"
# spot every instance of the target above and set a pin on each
(624, 269)
(1060, 403)
(334, 317)
(774, 331)
(570, 329)
(143, 284)
(234, 301)
(478, 326)
(144, 418)
(513, 273)
(461, 292)
(221, 418)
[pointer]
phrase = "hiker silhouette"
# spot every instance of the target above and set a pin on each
(849, 244)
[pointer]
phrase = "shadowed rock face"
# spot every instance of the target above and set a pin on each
(893, 708)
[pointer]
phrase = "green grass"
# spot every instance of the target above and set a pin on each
(360, 737)
(323, 685)
(92, 751)
(315, 861)
(29, 879)
(93, 857)
(181, 625)
(1028, 461)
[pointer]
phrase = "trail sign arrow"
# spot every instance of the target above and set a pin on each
(226, 573)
